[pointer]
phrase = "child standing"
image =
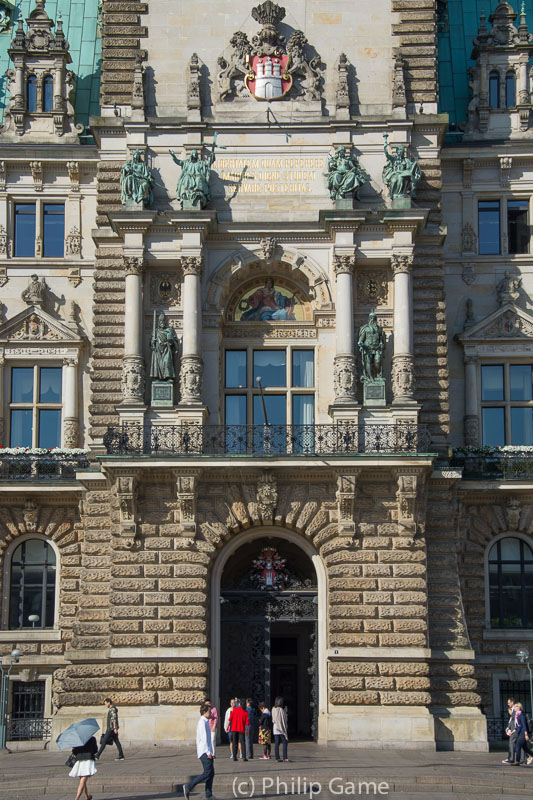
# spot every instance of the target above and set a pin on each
(265, 729)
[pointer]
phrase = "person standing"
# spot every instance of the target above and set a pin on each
(227, 726)
(238, 720)
(111, 732)
(213, 722)
(279, 724)
(265, 729)
(204, 751)
(250, 728)
(522, 735)
(510, 731)
(84, 766)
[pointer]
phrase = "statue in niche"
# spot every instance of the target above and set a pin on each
(163, 345)
(136, 182)
(400, 173)
(344, 175)
(35, 292)
(371, 345)
(193, 185)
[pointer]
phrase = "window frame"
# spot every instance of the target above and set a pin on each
(51, 634)
(251, 390)
(503, 200)
(506, 403)
(40, 203)
(510, 534)
(36, 405)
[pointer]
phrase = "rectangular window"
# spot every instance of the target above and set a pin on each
(507, 404)
(53, 230)
(303, 368)
(25, 229)
(493, 427)
(35, 407)
(518, 225)
(271, 367)
(236, 369)
(489, 227)
(492, 383)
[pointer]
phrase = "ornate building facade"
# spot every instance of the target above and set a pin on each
(230, 375)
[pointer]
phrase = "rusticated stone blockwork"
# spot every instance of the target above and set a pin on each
(122, 30)
(417, 36)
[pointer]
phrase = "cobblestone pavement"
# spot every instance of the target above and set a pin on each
(158, 773)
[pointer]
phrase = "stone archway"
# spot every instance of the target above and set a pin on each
(267, 642)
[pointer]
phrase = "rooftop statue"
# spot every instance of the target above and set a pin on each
(371, 345)
(344, 175)
(400, 173)
(136, 181)
(193, 185)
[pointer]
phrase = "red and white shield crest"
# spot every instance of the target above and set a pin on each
(269, 78)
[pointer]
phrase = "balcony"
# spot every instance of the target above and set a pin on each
(193, 440)
(514, 464)
(48, 465)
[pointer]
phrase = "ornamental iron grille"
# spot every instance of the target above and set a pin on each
(269, 600)
(26, 720)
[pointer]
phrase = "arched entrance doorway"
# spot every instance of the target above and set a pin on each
(268, 632)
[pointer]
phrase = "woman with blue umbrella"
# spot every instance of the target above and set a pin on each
(80, 736)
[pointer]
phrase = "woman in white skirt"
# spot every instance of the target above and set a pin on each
(84, 766)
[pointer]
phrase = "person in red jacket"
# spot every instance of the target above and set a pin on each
(238, 722)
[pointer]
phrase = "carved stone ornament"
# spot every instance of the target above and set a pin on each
(372, 287)
(186, 488)
(508, 288)
(127, 499)
(469, 239)
(342, 90)
(191, 373)
(36, 291)
(194, 103)
(401, 262)
(133, 379)
(344, 264)
(406, 498)
(403, 377)
(70, 433)
(469, 273)
(3, 276)
(267, 495)
(268, 67)
(133, 265)
(34, 328)
(37, 175)
(165, 288)
(192, 265)
(346, 497)
(73, 242)
(267, 248)
(137, 91)
(399, 99)
(29, 515)
(472, 430)
(344, 378)
(73, 169)
(512, 512)
(3, 241)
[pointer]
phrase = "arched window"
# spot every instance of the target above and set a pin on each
(32, 585)
(31, 93)
(494, 90)
(48, 93)
(511, 583)
(510, 90)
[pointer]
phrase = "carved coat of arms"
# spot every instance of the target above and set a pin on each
(269, 570)
(268, 78)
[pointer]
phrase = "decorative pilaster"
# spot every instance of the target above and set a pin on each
(133, 367)
(267, 496)
(344, 366)
(70, 403)
(407, 497)
(2, 363)
(186, 490)
(191, 369)
(471, 423)
(346, 496)
(127, 498)
(403, 375)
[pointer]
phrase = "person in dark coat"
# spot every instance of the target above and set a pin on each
(84, 766)
(111, 733)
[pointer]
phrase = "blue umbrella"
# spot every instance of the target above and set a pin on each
(77, 734)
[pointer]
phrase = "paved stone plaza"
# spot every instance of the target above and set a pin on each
(157, 774)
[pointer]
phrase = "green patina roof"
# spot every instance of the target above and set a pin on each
(79, 25)
(455, 46)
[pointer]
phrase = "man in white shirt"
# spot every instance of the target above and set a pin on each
(204, 751)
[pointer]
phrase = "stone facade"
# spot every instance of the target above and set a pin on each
(174, 498)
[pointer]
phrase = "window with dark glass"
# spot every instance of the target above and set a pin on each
(53, 230)
(32, 585)
(511, 584)
(494, 90)
(31, 93)
(507, 404)
(510, 90)
(518, 225)
(48, 93)
(489, 227)
(25, 229)
(35, 407)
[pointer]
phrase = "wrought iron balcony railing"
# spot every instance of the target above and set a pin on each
(40, 466)
(27, 728)
(265, 440)
(514, 465)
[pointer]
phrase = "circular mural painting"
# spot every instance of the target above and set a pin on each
(270, 300)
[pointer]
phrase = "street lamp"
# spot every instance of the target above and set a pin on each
(4, 686)
(523, 656)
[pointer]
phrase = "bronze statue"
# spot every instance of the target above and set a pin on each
(193, 184)
(136, 181)
(371, 345)
(163, 345)
(400, 173)
(344, 176)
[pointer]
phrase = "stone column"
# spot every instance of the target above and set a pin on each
(191, 369)
(522, 97)
(70, 403)
(472, 427)
(403, 376)
(2, 364)
(133, 368)
(344, 365)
